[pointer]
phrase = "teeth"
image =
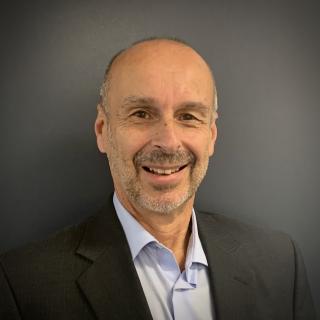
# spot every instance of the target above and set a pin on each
(164, 171)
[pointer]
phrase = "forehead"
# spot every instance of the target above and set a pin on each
(162, 70)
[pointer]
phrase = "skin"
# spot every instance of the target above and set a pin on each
(159, 103)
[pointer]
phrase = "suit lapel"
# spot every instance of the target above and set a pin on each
(232, 280)
(111, 284)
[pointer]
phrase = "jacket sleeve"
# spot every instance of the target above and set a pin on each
(8, 306)
(303, 304)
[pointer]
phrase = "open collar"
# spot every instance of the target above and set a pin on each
(138, 237)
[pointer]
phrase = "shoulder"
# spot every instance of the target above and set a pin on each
(42, 278)
(269, 255)
(266, 259)
(243, 231)
(63, 243)
(66, 252)
(253, 240)
(49, 253)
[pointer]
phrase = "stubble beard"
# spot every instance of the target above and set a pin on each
(163, 202)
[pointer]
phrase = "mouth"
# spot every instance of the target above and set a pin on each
(164, 171)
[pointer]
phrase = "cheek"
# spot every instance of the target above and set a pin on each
(199, 144)
(128, 143)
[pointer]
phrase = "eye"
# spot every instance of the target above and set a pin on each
(187, 117)
(141, 114)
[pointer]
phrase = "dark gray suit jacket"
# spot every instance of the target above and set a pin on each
(86, 272)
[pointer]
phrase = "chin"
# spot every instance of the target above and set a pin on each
(163, 204)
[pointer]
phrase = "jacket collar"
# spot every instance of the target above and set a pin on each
(110, 284)
(231, 277)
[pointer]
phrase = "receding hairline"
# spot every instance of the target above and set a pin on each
(177, 41)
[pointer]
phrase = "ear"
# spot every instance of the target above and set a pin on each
(213, 138)
(100, 128)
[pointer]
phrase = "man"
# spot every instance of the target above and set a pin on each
(147, 254)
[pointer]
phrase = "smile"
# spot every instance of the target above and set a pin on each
(164, 171)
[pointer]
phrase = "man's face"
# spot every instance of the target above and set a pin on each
(158, 132)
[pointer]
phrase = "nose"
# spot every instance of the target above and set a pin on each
(166, 136)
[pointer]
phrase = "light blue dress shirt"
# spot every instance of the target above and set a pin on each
(170, 293)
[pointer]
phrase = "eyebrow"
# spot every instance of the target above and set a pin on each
(136, 100)
(148, 101)
(196, 106)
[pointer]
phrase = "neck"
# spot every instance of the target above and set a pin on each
(172, 229)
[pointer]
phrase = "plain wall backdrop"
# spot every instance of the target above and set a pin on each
(265, 57)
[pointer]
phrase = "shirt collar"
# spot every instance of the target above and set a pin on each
(195, 253)
(138, 237)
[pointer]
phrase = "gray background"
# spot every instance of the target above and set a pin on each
(265, 58)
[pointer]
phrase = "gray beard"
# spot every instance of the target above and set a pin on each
(159, 204)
